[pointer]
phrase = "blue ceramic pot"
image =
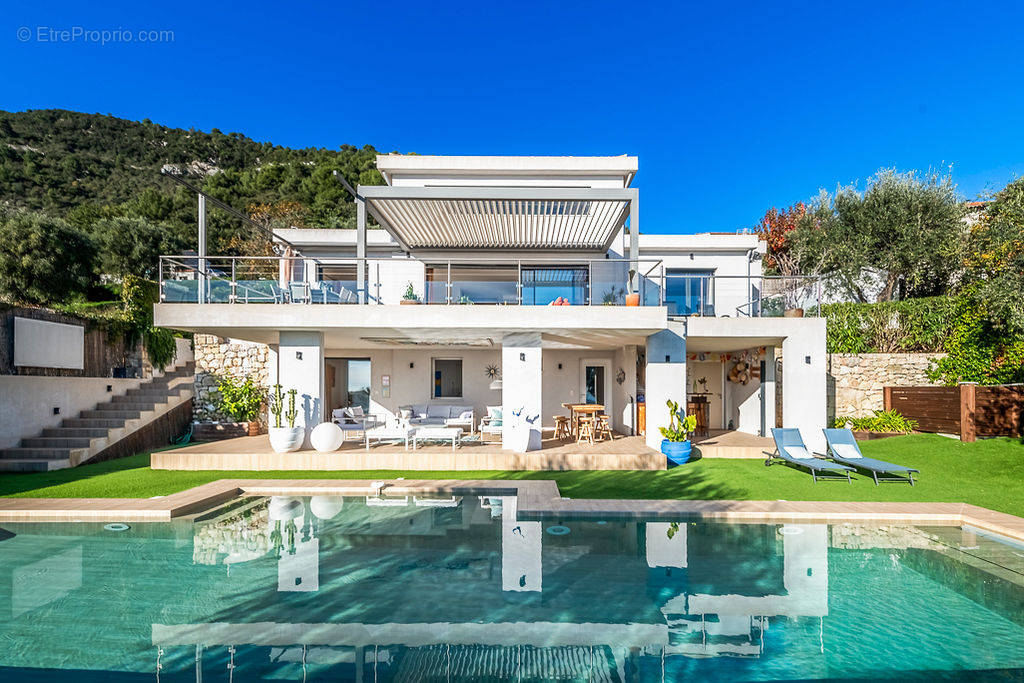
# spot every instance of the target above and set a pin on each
(677, 452)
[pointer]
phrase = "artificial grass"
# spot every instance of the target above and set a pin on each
(989, 473)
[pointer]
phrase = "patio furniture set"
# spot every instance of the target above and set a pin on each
(433, 422)
(586, 423)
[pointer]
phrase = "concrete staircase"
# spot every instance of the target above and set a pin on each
(78, 439)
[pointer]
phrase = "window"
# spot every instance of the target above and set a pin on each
(689, 292)
(447, 378)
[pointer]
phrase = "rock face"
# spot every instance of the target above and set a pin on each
(855, 381)
(215, 357)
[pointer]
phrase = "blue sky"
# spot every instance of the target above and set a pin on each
(731, 109)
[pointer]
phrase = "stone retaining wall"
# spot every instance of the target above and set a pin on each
(855, 380)
(215, 357)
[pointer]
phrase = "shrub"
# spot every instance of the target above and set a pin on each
(239, 400)
(979, 350)
(43, 259)
(881, 421)
(914, 325)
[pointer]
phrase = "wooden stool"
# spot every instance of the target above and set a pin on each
(586, 429)
(604, 428)
(562, 427)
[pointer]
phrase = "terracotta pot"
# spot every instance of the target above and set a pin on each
(409, 302)
(254, 428)
(632, 299)
(793, 313)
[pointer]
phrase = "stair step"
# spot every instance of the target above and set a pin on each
(105, 422)
(35, 453)
(148, 399)
(33, 465)
(112, 414)
(56, 442)
(119, 407)
(77, 432)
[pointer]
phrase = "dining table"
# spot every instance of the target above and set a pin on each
(576, 410)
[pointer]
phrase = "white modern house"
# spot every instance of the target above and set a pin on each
(520, 282)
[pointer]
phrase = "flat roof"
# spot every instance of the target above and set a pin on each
(623, 165)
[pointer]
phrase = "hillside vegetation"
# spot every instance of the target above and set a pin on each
(88, 167)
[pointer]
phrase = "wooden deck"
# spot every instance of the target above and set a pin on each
(731, 444)
(253, 453)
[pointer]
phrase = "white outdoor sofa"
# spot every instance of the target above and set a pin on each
(438, 415)
(353, 419)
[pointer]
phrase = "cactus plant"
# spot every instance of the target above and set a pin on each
(292, 413)
(275, 403)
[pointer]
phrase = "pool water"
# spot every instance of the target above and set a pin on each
(461, 588)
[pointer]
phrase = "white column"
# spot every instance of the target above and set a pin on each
(803, 384)
(301, 366)
(768, 382)
(521, 387)
(665, 378)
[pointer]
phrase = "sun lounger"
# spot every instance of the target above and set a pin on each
(790, 448)
(843, 448)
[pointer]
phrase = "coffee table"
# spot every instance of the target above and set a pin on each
(437, 434)
(389, 434)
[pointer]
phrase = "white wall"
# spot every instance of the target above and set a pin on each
(27, 402)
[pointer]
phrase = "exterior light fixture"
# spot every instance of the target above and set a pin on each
(298, 355)
(807, 359)
(412, 365)
(522, 357)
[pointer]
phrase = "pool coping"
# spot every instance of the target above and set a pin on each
(537, 499)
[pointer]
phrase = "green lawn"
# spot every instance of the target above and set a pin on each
(989, 473)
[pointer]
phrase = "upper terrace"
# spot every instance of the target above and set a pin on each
(501, 231)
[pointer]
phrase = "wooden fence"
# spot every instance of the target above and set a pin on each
(969, 410)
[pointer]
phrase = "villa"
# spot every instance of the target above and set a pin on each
(520, 285)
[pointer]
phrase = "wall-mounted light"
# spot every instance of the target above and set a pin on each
(110, 388)
(559, 366)
(56, 410)
(298, 355)
(807, 359)
(522, 357)
(668, 358)
(412, 365)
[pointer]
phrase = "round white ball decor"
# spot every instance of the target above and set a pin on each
(326, 507)
(326, 437)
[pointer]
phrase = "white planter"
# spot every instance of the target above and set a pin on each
(286, 439)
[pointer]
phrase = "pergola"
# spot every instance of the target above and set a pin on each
(499, 218)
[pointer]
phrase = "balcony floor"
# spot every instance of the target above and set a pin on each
(253, 453)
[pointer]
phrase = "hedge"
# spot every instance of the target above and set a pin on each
(914, 325)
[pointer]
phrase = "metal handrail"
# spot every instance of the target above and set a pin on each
(651, 273)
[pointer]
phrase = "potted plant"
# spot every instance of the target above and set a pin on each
(290, 438)
(676, 445)
(409, 297)
(241, 401)
(613, 296)
(633, 298)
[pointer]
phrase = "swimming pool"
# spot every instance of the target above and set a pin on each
(460, 588)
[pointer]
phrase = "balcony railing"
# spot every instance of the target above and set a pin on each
(577, 282)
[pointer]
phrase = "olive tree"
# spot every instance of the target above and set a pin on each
(43, 259)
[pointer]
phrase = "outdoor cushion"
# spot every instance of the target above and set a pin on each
(419, 410)
(846, 451)
(798, 452)
(435, 410)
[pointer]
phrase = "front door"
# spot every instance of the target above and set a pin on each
(595, 375)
